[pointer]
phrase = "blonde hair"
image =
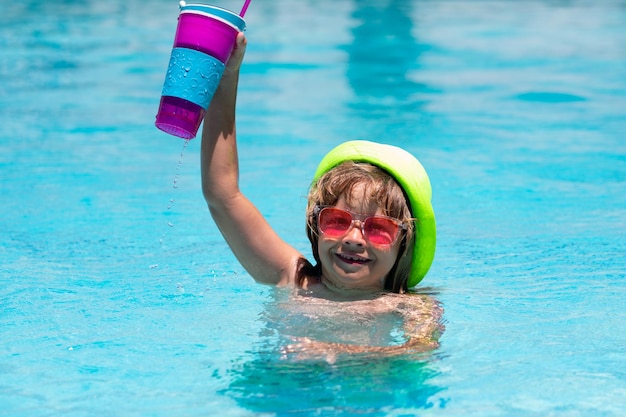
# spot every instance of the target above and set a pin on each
(379, 187)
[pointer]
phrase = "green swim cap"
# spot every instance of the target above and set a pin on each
(410, 174)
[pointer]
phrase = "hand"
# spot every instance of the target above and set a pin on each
(305, 348)
(234, 62)
(225, 95)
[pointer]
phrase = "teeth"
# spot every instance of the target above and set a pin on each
(353, 258)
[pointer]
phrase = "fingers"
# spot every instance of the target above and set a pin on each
(241, 40)
(234, 62)
(304, 349)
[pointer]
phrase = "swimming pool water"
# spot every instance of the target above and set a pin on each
(118, 296)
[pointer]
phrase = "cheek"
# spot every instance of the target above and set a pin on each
(323, 252)
(389, 256)
(323, 245)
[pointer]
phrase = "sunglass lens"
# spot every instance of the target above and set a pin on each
(380, 231)
(334, 222)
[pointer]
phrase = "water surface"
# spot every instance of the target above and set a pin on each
(119, 296)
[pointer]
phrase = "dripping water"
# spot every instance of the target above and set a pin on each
(172, 200)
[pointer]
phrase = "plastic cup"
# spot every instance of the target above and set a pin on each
(205, 38)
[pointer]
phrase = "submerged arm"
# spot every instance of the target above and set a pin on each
(255, 244)
(421, 323)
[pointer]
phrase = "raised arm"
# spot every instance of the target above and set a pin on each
(258, 248)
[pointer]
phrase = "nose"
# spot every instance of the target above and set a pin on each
(355, 234)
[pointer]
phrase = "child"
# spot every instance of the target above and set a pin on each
(367, 239)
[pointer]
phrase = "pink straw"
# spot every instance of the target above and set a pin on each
(244, 8)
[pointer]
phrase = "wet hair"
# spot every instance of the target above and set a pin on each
(379, 187)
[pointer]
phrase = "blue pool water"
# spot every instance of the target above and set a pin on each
(118, 296)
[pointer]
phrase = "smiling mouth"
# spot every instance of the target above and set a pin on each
(352, 259)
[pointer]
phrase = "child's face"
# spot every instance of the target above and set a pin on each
(350, 261)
